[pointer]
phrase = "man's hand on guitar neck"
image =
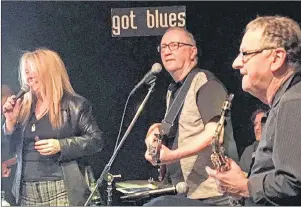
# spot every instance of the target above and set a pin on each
(166, 156)
(151, 141)
(201, 141)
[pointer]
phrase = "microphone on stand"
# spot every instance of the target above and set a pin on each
(180, 188)
(149, 76)
(149, 79)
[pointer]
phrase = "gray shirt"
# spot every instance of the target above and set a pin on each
(276, 174)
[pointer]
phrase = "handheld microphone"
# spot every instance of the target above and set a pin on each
(149, 76)
(24, 89)
(180, 188)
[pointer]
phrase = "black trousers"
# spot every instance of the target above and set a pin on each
(6, 186)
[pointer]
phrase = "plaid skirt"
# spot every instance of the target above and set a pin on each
(44, 193)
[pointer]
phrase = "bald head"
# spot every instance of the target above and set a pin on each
(178, 52)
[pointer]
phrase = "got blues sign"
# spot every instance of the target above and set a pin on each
(146, 21)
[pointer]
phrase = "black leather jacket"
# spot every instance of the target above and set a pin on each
(78, 137)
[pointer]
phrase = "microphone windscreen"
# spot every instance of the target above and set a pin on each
(156, 68)
(181, 188)
(25, 88)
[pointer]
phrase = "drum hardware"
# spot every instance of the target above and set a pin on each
(110, 180)
(151, 181)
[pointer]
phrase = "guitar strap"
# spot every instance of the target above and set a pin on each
(173, 111)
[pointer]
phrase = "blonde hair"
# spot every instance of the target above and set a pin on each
(53, 79)
(279, 31)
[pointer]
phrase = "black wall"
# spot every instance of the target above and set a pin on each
(105, 69)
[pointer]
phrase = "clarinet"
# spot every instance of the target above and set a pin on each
(218, 158)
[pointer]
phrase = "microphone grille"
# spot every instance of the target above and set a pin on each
(182, 187)
(156, 68)
(25, 88)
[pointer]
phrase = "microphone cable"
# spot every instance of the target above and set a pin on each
(122, 120)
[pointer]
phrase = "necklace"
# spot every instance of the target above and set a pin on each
(33, 128)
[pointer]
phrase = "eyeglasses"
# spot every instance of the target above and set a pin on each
(247, 54)
(172, 46)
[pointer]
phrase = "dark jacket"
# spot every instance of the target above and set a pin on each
(276, 176)
(79, 137)
(247, 156)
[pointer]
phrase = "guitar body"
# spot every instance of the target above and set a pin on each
(155, 147)
(158, 146)
(162, 167)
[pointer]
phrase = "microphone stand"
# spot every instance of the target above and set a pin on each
(109, 164)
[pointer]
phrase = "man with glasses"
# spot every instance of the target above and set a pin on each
(187, 147)
(270, 62)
